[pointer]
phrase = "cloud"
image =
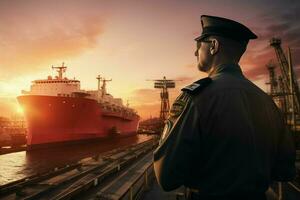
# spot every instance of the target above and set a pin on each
(146, 102)
(145, 96)
(253, 63)
(280, 27)
(191, 65)
(147, 110)
(32, 35)
(283, 24)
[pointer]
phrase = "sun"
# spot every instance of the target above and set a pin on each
(20, 110)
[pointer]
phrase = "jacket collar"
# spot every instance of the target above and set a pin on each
(230, 68)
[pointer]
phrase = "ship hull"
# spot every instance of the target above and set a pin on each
(52, 119)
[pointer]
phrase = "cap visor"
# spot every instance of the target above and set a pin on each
(201, 37)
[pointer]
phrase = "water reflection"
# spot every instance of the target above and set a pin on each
(15, 166)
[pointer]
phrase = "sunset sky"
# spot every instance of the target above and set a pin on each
(130, 41)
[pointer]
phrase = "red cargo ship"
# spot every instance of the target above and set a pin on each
(57, 110)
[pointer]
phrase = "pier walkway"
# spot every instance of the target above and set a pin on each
(121, 174)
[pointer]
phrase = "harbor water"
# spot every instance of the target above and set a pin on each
(18, 165)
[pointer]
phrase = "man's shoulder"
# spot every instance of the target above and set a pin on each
(196, 87)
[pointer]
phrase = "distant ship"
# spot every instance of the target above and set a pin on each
(56, 110)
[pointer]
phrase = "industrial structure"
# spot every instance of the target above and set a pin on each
(164, 84)
(284, 88)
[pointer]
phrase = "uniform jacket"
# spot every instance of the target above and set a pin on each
(224, 136)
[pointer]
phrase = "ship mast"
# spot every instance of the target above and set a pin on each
(60, 70)
(104, 86)
(99, 78)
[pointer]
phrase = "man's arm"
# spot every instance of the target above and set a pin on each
(174, 156)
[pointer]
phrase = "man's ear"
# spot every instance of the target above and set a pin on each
(214, 48)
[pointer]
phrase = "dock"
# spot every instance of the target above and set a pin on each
(124, 173)
(105, 175)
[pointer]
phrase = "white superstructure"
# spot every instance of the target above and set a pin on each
(54, 87)
(64, 87)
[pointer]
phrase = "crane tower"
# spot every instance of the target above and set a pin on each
(164, 84)
(288, 85)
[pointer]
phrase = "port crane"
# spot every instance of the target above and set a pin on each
(284, 89)
(164, 84)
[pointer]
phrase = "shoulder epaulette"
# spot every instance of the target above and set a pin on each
(197, 86)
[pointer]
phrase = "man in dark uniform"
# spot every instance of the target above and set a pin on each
(224, 137)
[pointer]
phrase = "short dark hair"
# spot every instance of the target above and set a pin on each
(232, 48)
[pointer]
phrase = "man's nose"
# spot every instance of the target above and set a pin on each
(196, 53)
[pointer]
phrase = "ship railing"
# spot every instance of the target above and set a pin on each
(127, 116)
(110, 113)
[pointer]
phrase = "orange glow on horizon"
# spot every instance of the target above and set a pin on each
(20, 110)
(126, 42)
